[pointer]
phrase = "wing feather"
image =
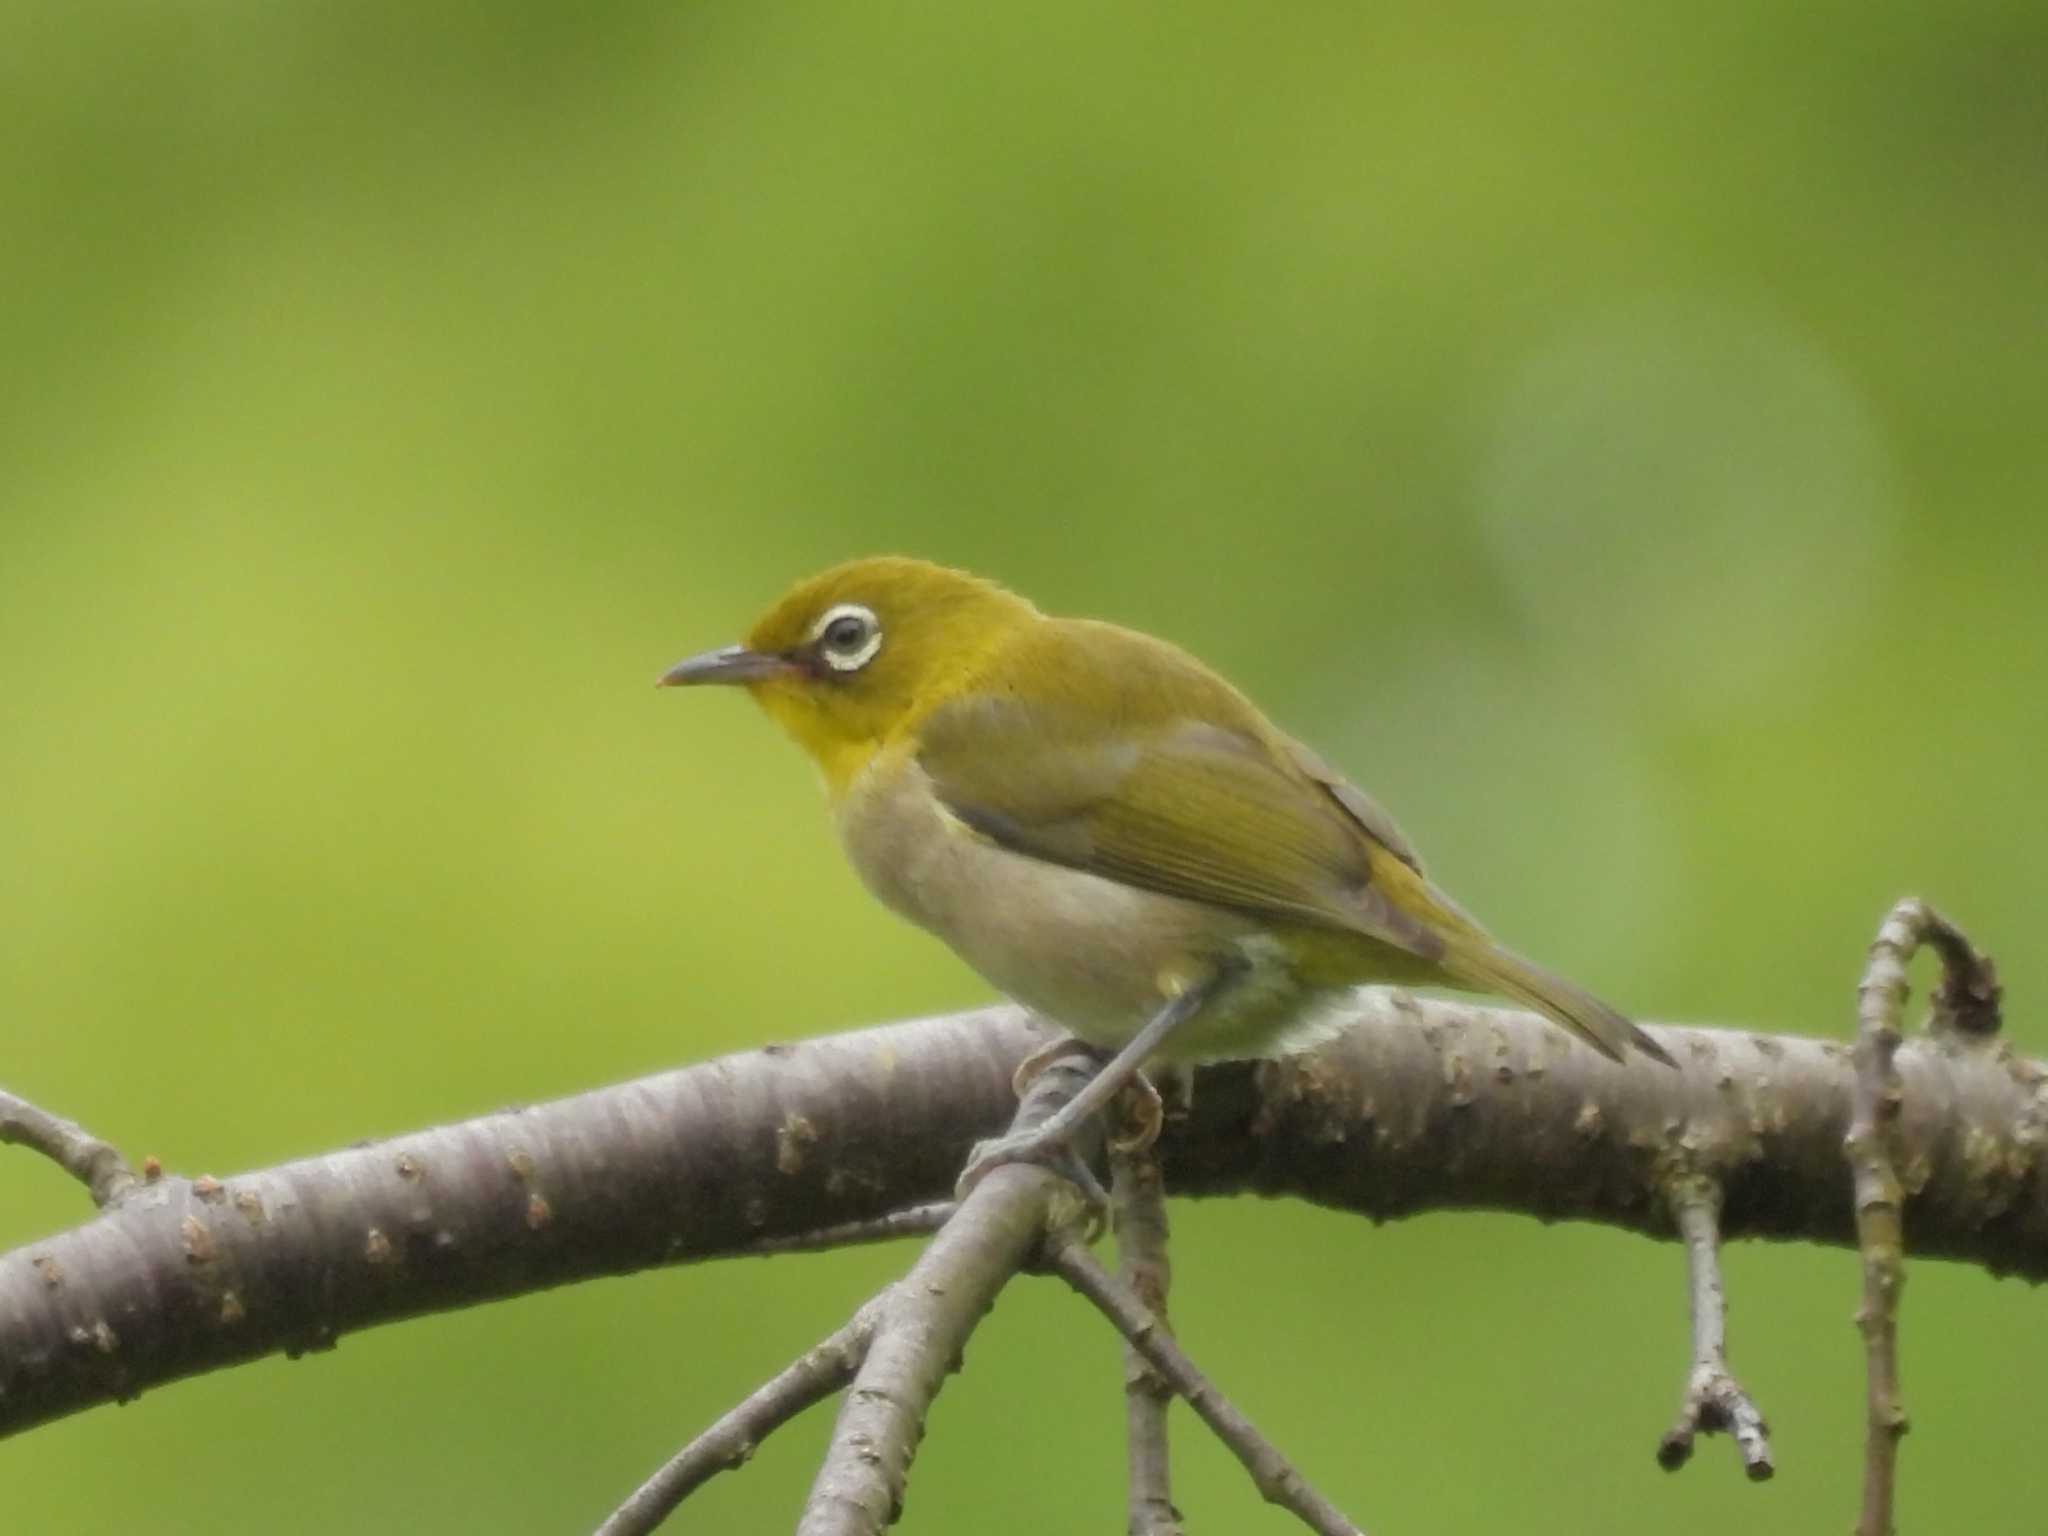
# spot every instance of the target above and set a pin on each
(1175, 804)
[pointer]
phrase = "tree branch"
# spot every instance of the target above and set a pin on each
(810, 1378)
(1879, 1231)
(1420, 1105)
(911, 1221)
(1272, 1474)
(1965, 1012)
(1138, 1216)
(1713, 1400)
(923, 1321)
(96, 1164)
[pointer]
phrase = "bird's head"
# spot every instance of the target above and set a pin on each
(850, 656)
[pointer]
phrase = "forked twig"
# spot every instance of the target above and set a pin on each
(894, 1353)
(897, 1351)
(96, 1164)
(923, 1323)
(1274, 1476)
(728, 1443)
(1713, 1400)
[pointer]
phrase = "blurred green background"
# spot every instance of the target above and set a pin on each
(1613, 433)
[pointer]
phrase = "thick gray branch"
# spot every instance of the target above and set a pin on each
(1423, 1105)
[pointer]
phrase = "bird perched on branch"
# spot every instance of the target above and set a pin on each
(1105, 829)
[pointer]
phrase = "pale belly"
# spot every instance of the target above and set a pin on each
(1096, 957)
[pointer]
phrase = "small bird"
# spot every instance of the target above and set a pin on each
(1105, 829)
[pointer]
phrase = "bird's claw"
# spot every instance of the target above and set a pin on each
(1144, 1111)
(1053, 1153)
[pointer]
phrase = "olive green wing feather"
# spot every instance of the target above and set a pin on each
(1471, 957)
(1370, 815)
(1175, 805)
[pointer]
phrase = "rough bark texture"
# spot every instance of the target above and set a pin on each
(1138, 1216)
(922, 1324)
(1966, 1008)
(1423, 1105)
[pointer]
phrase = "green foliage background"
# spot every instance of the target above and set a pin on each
(1613, 432)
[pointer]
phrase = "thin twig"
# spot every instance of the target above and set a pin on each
(1967, 1001)
(924, 1323)
(1138, 1212)
(728, 1443)
(911, 1221)
(1713, 1400)
(1273, 1475)
(96, 1164)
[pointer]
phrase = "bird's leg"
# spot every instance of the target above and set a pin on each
(1052, 1142)
(1142, 1108)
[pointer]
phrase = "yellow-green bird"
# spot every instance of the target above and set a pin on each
(1104, 828)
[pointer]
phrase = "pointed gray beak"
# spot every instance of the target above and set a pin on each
(728, 664)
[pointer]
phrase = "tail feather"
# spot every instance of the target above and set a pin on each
(1611, 1033)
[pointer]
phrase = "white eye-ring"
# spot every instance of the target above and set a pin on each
(847, 636)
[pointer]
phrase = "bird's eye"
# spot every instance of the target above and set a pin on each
(848, 637)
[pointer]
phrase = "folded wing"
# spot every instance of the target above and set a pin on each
(1180, 806)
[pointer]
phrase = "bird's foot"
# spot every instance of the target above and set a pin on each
(1142, 1113)
(1139, 1106)
(1051, 1148)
